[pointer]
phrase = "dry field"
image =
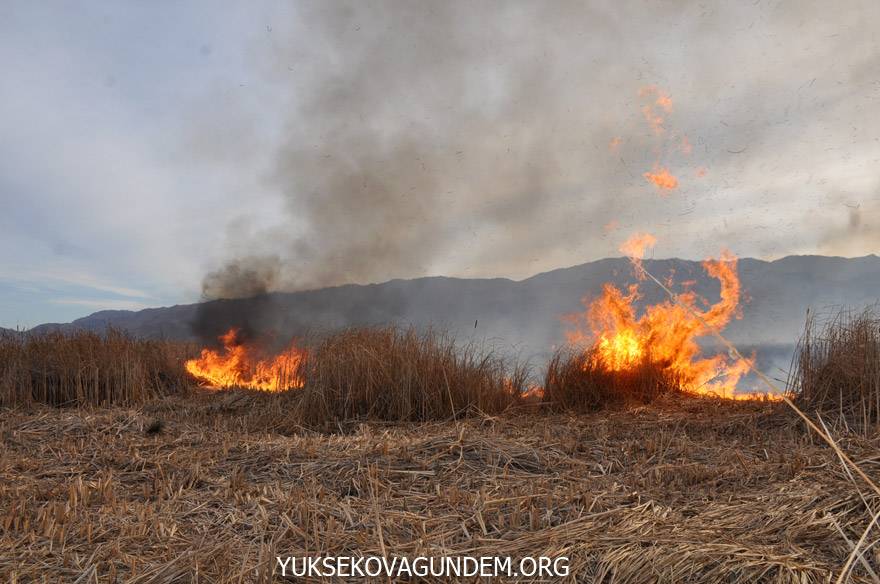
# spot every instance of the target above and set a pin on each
(113, 468)
(210, 487)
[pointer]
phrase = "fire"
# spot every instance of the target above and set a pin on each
(621, 351)
(654, 119)
(662, 178)
(657, 105)
(241, 365)
(635, 248)
(664, 101)
(533, 392)
(666, 334)
(654, 111)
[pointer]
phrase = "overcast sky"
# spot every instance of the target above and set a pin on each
(147, 145)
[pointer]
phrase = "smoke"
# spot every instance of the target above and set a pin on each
(423, 139)
(852, 227)
(466, 139)
(243, 278)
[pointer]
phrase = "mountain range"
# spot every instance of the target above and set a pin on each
(526, 316)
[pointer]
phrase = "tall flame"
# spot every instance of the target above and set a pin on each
(241, 365)
(666, 333)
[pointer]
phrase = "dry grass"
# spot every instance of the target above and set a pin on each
(371, 373)
(685, 490)
(211, 486)
(85, 368)
(836, 369)
(575, 380)
(397, 374)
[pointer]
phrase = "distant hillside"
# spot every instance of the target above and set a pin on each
(523, 316)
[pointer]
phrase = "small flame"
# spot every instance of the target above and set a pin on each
(664, 101)
(240, 365)
(654, 111)
(662, 179)
(654, 120)
(535, 392)
(635, 248)
(656, 107)
(637, 244)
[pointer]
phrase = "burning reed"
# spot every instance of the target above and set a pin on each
(240, 364)
(836, 367)
(583, 381)
(85, 368)
(617, 356)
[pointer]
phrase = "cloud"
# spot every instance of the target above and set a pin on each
(68, 278)
(101, 304)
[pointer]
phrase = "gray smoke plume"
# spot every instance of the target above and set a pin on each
(243, 278)
(424, 137)
(471, 138)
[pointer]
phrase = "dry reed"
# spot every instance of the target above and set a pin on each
(836, 368)
(389, 373)
(210, 487)
(577, 379)
(85, 368)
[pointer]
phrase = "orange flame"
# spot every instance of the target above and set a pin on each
(239, 365)
(662, 178)
(533, 392)
(666, 334)
(654, 120)
(664, 101)
(661, 101)
(530, 392)
(635, 248)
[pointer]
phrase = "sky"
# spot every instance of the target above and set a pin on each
(164, 152)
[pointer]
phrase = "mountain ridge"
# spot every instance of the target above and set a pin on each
(121, 312)
(517, 315)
